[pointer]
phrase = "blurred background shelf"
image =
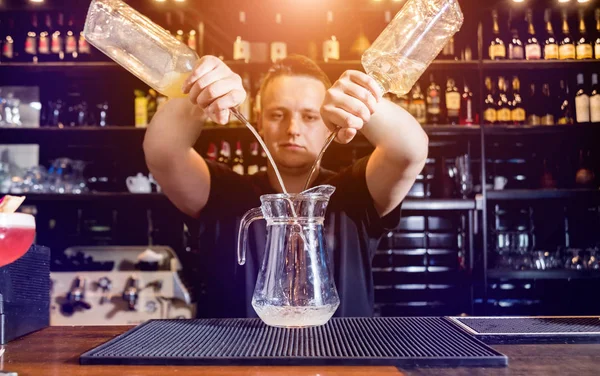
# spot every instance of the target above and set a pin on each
(504, 65)
(544, 274)
(543, 194)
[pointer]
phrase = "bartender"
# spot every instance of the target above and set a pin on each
(299, 109)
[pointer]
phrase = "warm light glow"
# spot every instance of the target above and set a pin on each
(563, 1)
(583, 1)
(518, 1)
(160, 1)
(37, 1)
(179, 1)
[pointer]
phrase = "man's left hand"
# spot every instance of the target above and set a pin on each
(349, 104)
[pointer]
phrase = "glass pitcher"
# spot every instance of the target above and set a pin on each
(410, 42)
(139, 45)
(295, 285)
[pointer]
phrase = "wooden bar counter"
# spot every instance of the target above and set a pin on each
(55, 351)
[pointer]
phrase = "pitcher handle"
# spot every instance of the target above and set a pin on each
(250, 216)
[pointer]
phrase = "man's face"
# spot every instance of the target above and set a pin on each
(291, 123)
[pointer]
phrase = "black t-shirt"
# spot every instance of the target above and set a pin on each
(222, 288)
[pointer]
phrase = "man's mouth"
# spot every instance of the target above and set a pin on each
(291, 146)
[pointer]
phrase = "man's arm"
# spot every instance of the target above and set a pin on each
(181, 172)
(401, 145)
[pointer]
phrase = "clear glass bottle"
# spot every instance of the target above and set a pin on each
(139, 45)
(409, 43)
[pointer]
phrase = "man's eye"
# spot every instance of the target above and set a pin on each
(276, 116)
(311, 117)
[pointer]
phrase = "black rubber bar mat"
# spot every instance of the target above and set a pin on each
(403, 342)
(536, 329)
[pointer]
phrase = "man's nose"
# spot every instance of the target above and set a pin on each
(293, 126)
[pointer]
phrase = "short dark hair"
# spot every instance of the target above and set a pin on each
(294, 65)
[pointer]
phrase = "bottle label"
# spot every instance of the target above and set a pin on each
(565, 120)
(469, 118)
(518, 114)
(597, 51)
(418, 111)
(331, 49)
(141, 112)
(241, 50)
(551, 51)
(490, 115)
(566, 51)
(533, 51)
(56, 44)
(191, 42)
(584, 51)
(433, 101)
(497, 51)
(44, 45)
(278, 51)
(30, 45)
(548, 119)
(71, 44)
(238, 169)
(84, 47)
(8, 50)
(453, 103)
(582, 108)
(534, 120)
(516, 52)
(595, 108)
(503, 115)
(252, 169)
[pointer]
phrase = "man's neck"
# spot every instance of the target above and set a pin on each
(294, 180)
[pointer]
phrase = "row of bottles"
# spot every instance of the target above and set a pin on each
(436, 106)
(249, 163)
(505, 104)
(566, 46)
(46, 37)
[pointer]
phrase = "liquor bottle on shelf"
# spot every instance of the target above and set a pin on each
(8, 43)
(497, 47)
(503, 108)
(31, 41)
(490, 115)
(468, 115)
(44, 40)
(516, 51)
(565, 112)
(584, 49)
(57, 45)
(179, 34)
(263, 161)
(417, 107)
(331, 46)
(566, 50)
(452, 102)
(71, 53)
(253, 159)
(83, 47)
(518, 114)
(433, 102)
(533, 50)
(595, 100)
(192, 40)
(597, 44)
(211, 153)
(238, 159)
(547, 106)
(582, 101)
(225, 153)
(535, 101)
(169, 23)
(448, 51)
(551, 43)
(241, 47)
(278, 47)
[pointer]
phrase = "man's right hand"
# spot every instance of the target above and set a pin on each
(214, 88)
